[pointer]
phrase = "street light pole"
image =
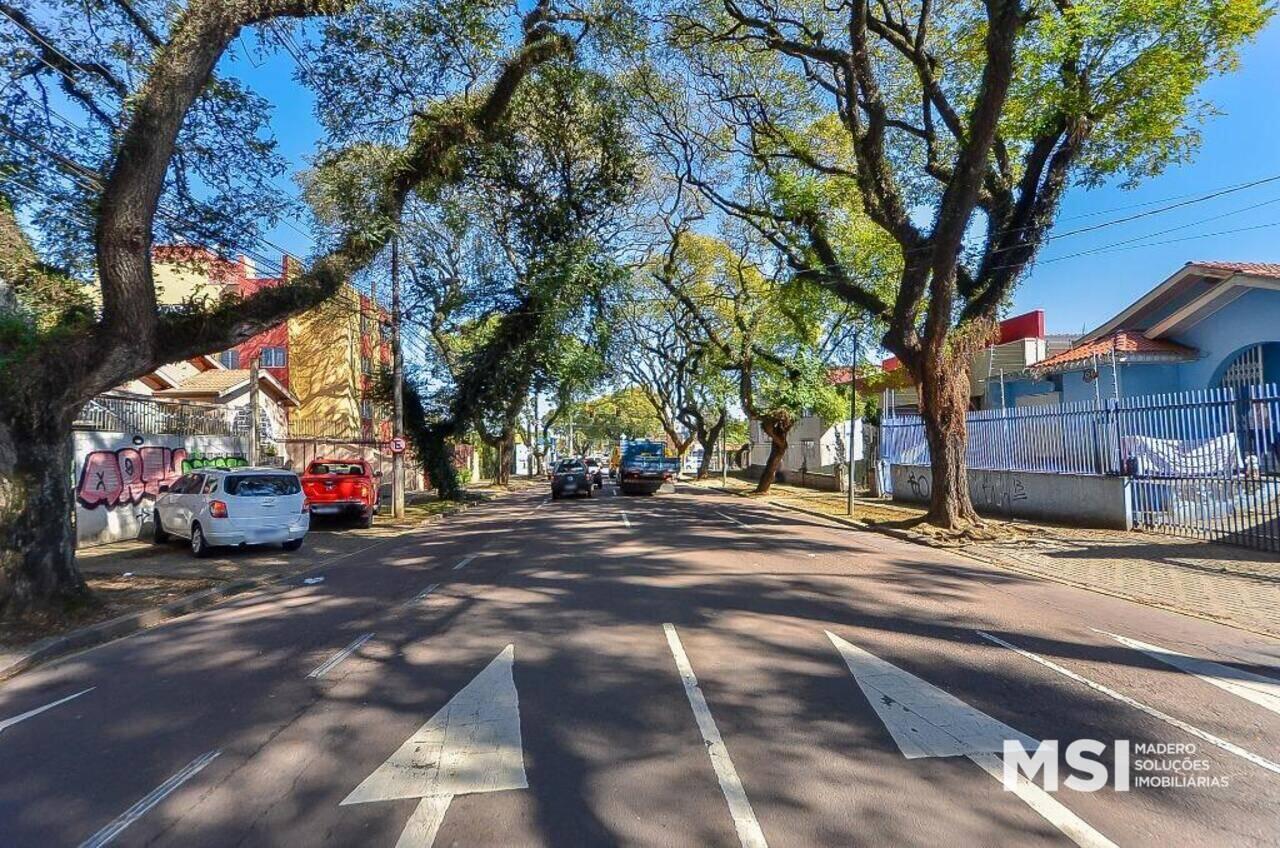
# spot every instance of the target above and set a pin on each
(853, 418)
(397, 384)
(253, 408)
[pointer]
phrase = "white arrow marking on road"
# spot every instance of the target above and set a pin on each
(925, 721)
(471, 745)
(731, 518)
(1230, 747)
(10, 722)
(1261, 690)
(625, 520)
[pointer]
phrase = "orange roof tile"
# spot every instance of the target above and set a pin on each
(1124, 342)
(1257, 269)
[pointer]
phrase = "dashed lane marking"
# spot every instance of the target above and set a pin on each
(744, 818)
(10, 722)
(464, 562)
(333, 661)
(148, 801)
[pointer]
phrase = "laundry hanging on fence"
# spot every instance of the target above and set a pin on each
(1149, 457)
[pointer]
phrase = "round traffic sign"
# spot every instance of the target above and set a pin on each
(397, 445)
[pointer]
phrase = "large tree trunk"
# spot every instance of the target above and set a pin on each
(707, 437)
(777, 451)
(944, 395)
(37, 539)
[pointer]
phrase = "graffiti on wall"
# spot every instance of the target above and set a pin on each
(110, 478)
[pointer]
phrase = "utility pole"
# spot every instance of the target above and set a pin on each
(397, 383)
(853, 418)
(253, 409)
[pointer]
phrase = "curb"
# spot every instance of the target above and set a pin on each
(135, 622)
(925, 541)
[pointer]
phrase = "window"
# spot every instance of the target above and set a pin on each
(262, 485)
(273, 357)
(210, 486)
(366, 365)
(366, 409)
(230, 358)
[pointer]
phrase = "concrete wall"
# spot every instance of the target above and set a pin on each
(1077, 499)
(117, 477)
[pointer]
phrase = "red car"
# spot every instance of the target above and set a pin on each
(342, 487)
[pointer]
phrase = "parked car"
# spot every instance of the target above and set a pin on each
(571, 478)
(342, 487)
(233, 506)
(594, 471)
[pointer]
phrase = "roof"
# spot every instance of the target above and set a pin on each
(1253, 269)
(222, 381)
(1189, 295)
(1128, 346)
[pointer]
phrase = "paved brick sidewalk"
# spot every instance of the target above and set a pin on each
(1233, 585)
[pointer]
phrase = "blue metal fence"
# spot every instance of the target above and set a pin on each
(1203, 463)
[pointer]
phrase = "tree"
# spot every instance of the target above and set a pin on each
(52, 363)
(963, 126)
(524, 268)
(771, 331)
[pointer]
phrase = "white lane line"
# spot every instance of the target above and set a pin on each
(148, 801)
(464, 562)
(421, 595)
(1138, 705)
(731, 518)
(1049, 808)
(333, 661)
(744, 818)
(1259, 689)
(10, 722)
(625, 520)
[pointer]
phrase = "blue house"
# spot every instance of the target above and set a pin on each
(1210, 325)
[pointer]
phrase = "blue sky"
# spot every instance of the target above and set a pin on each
(1241, 145)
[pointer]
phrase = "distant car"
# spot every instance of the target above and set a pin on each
(596, 472)
(342, 487)
(233, 506)
(571, 478)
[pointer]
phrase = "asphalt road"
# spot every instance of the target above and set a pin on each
(525, 675)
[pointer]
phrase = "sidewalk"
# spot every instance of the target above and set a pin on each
(1235, 586)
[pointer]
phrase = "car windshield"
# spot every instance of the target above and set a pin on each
(568, 466)
(349, 468)
(261, 485)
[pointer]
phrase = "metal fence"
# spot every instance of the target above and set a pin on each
(1204, 464)
(122, 413)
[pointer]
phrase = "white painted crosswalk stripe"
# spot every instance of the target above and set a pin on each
(1203, 735)
(149, 801)
(333, 661)
(744, 818)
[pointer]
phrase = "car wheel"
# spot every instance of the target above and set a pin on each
(158, 534)
(555, 496)
(199, 544)
(366, 521)
(292, 544)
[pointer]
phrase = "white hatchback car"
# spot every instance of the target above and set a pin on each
(233, 506)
